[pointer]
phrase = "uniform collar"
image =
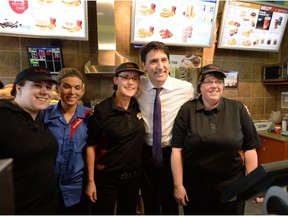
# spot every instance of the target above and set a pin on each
(200, 106)
(115, 107)
(168, 85)
(81, 111)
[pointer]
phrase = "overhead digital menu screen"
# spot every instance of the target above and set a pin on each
(252, 26)
(60, 19)
(49, 57)
(178, 23)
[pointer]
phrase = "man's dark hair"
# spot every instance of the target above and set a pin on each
(153, 45)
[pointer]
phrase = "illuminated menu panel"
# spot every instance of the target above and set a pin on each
(179, 23)
(252, 26)
(49, 57)
(66, 19)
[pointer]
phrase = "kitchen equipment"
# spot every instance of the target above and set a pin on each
(107, 58)
(276, 116)
(262, 125)
(275, 73)
(284, 123)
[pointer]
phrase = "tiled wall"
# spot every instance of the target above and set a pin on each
(261, 100)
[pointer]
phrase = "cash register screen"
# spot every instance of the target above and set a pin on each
(48, 56)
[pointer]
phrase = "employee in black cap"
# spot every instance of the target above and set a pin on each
(25, 138)
(114, 147)
(209, 135)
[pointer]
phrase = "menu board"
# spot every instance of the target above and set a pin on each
(46, 56)
(252, 26)
(66, 19)
(178, 23)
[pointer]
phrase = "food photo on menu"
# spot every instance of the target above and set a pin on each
(72, 25)
(71, 2)
(42, 24)
(241, 30)
(165, 33)
(174, 22)
(63, 18)
(45, 1)
(191, 61)
(264, 20)
(65, 2)
(144, 33)
(146, 10)
(255, 26)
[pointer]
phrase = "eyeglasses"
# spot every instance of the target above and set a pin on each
(127, 78)
(210, 82)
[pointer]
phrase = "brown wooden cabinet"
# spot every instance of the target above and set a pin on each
(272, 150)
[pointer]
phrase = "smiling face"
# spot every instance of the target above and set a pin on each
(157, 66)
(212, 90)
(127, 83)
(34, 97)
(70, 90)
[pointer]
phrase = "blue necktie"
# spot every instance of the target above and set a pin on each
(157, 128)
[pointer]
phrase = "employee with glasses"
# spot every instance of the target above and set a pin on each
(114, 147)
(213, 146)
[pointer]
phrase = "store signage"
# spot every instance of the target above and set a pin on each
(252, 26)
(59, 19)
(178, 23)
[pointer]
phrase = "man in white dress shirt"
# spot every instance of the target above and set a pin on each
(157, 183)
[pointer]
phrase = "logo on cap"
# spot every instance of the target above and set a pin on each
(129, 65)
(214, 67)
(41, 71)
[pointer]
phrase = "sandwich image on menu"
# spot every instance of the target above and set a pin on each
(146, 10)
(165, 13)
(45, 1)
(143, 33)
(41, 24)
(71, 26)
(71, 2)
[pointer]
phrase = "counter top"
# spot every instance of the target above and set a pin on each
(273, 135)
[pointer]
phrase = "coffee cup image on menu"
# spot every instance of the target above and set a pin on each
(264, 20)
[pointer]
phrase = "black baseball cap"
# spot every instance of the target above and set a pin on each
(128, 66)
(211, 68)
(35, 74)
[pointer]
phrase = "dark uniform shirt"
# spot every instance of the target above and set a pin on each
(33, 149)
(211, 140)
(118, 134)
